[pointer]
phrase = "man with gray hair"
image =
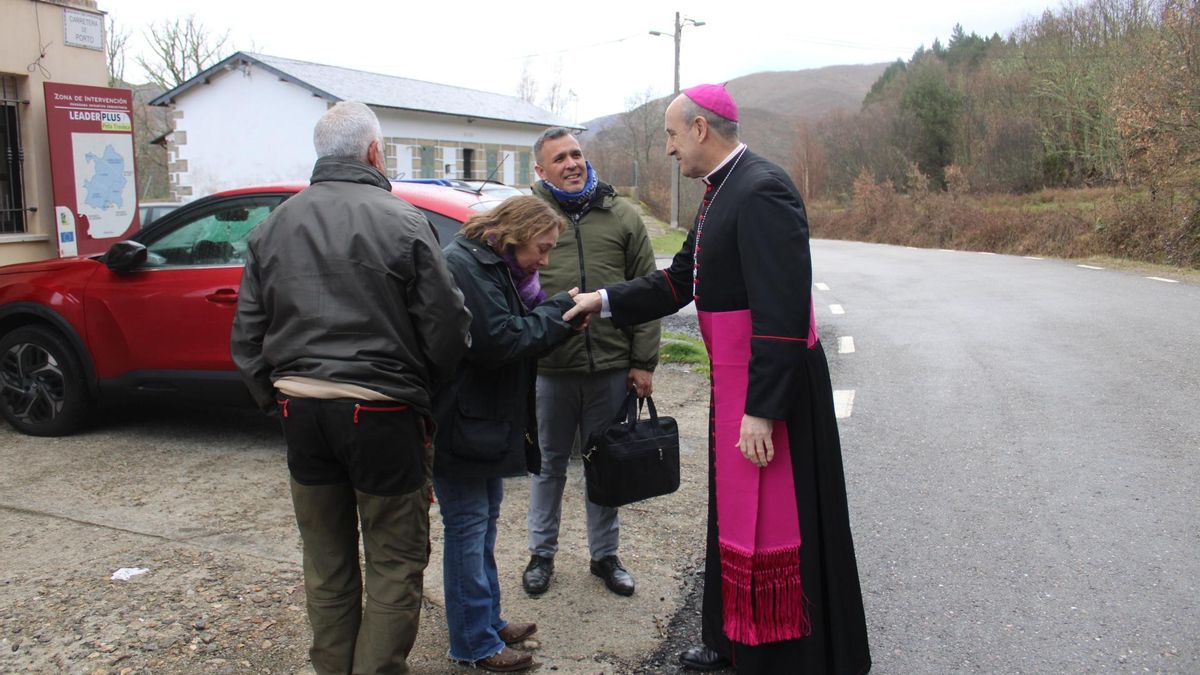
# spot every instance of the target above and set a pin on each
(347, 319)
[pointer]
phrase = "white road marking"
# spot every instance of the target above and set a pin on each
(843, 403)
(1033, 257)
(836, 309)
(1169, 281)
(985, 253)
(1090, 267)
(947, 250)
(821, 287)
(846, 345)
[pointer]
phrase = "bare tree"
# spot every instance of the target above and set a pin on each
(809, 166)
(181, 48)
(557, 97)
(642, 123)
(116, 41)
(527, 87)
(1156, 103)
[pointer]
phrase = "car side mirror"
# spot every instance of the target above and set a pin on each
(125, 256)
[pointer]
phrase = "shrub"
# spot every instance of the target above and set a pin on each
(1122, 223)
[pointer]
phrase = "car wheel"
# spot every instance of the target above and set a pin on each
(42, 391)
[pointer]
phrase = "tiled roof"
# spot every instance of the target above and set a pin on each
(344, 84)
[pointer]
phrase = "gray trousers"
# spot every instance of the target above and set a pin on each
(566, 404)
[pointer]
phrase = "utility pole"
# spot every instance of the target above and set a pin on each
(680, 22)
(675, 165)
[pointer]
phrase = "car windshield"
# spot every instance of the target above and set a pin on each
(215, 235)
(485, 205)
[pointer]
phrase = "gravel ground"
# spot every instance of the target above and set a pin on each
(678, 323)
(200, 499)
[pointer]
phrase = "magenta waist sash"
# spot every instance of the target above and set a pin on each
(759, 528)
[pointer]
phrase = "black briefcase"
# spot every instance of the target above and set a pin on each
(634, 458)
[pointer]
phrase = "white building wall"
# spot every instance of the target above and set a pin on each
(404, 160)
(246, 127)
(449, 162)
(409, 124)
(510, 169)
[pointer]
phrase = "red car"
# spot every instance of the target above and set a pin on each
(153, 315)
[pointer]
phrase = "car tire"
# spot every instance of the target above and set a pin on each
(42, 389)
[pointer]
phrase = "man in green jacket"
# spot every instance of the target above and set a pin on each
(582, 383)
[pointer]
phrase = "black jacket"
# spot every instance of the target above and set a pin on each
(754, 256)
(346, 283)
(487, 423)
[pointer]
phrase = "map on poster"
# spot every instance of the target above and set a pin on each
(105, 189)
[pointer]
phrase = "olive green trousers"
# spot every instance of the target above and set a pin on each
(350, 636)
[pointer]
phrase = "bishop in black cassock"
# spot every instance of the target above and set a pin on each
(781, 583)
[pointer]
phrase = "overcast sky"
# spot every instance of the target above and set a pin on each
(603, 50)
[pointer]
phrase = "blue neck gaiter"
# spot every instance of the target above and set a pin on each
(573, 201)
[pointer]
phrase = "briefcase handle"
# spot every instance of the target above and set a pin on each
(631, 409)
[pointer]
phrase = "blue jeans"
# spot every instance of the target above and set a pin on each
(470, 508)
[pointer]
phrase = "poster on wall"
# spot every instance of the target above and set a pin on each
(92, 166)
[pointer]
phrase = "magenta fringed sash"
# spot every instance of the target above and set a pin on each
(759, 528)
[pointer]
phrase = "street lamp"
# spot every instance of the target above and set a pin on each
(680, 22)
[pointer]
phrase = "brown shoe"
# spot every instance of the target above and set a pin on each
(517, 632)
(507, 661)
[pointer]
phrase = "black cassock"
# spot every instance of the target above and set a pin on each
(754, 258)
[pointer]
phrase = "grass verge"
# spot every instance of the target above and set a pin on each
(684, 349)
(668, 242)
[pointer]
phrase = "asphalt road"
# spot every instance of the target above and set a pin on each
(1022, 459)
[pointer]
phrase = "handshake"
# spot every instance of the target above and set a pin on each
(586, 305)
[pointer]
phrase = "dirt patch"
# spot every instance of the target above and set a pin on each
(200, 499)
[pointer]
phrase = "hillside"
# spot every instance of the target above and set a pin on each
(771, 106)
(807, 94)
(804, 94)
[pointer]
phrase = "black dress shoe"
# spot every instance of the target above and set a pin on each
(536, 578)
(703, 658)
(609, 569)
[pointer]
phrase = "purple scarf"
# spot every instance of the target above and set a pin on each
(529, 288)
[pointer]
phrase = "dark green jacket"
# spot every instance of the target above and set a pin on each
(346, 283)
(487, 422)
(607, 245)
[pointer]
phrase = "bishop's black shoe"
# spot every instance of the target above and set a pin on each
(703, 658)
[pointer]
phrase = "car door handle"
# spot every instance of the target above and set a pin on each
(224, 296)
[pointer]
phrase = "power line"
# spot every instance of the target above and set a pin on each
(576, 49)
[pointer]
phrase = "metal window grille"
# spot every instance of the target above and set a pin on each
(389, 154)
(12, 159)
(427, 162)
(493, 161)
(523, 177)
